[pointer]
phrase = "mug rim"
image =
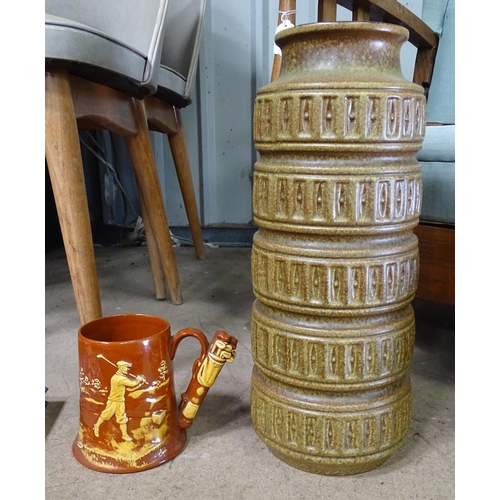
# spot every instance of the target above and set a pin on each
(118, 316)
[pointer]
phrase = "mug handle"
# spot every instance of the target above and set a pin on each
(189, 332)
(205, 369)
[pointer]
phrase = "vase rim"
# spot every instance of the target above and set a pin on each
(345, 26)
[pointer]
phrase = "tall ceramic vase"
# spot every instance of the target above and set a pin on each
(337, 193)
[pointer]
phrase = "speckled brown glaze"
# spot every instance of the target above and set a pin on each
(129, 420)
(337, 193)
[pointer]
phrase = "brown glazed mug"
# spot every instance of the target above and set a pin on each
(129, 419)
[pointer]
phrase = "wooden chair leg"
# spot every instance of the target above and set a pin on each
(64, 160)
(141, 154)
(161, 291)
(178, 147)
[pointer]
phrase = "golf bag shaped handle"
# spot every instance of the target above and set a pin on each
(206, 368)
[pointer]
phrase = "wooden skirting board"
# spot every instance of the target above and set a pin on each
(436, 281)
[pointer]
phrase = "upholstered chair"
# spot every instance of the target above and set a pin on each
(177, 71)
(102, 58)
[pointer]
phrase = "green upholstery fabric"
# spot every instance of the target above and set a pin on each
(439, 144)
(437, 155)
(433, 12)
(441, 98)
(438, 192)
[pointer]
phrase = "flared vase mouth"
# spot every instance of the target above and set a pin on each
(344, 27)
(354, 53)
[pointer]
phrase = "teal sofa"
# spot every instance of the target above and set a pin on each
(437, 155)
(436, 231)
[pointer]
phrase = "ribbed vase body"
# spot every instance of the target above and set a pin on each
(337, 193)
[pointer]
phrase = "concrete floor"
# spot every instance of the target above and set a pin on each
(224, 458)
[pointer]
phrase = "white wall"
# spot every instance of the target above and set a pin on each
(235, 60)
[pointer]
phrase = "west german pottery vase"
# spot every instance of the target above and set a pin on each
(337, 193)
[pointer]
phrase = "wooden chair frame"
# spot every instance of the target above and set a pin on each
(164, 118)
(72, 104)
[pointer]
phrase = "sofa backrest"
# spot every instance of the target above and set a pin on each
(440, 16)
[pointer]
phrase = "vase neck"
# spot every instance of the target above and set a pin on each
(347, 51)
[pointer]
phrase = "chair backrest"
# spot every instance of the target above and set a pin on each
(139, 26)
(180, 51)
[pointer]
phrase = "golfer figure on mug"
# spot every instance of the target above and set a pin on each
(120, 382)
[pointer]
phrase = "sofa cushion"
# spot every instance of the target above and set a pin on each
(433, 14)
(438, 192)
(439, 144)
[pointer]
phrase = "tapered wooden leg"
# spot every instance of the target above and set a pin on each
(161, 291)
(141, 154)
(63, 154)
(181, 161)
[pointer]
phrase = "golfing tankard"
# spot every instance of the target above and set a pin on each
(129, 419)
